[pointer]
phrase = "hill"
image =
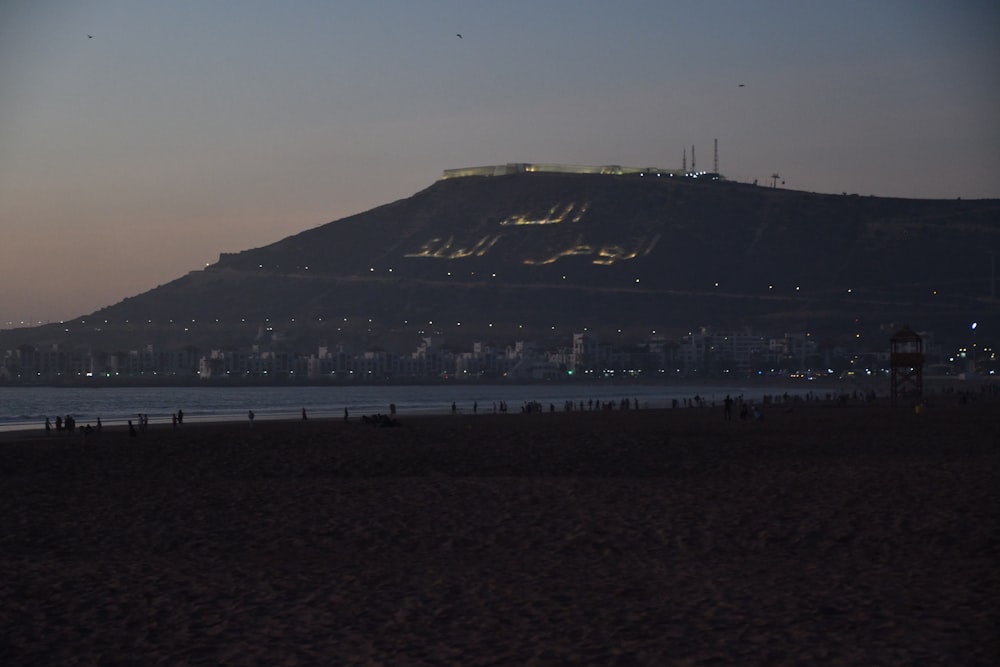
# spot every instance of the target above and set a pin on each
(541, 255)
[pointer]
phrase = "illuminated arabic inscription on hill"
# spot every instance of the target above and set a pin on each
(446, 249)
(605, 255)
(438, 248)
(554, 217)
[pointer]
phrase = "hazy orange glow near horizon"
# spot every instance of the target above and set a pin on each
(140, 140)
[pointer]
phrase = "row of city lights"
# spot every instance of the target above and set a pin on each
(11, 324)
(344, 320)
(370, 321)
(490, 325)
(493, 274)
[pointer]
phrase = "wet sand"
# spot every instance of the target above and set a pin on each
(824, 535)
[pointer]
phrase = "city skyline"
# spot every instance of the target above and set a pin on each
(137, 143)
(577, 356)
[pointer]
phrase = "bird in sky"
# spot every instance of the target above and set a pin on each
(90, 37)
(459, 35)
(742, 85)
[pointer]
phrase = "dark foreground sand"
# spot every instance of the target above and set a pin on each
(827, 535)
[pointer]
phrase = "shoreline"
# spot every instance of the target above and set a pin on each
(86, 407)
(877, 380)
(454, 381)
(823, 398)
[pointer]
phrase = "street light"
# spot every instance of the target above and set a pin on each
(972, 350)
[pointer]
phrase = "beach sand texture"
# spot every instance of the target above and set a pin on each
(825, 535)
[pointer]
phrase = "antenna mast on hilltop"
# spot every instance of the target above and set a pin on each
(684, 161)
(715, 162)
(692, 158)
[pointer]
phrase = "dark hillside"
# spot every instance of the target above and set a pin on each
(543, 254)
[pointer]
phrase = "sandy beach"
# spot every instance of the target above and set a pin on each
(830, 535)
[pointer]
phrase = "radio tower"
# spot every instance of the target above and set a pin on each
(692, 158)
(715, 162)
(684, 162)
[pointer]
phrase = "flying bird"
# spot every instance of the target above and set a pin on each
(90, 37)
(459, 35)
(742, 85)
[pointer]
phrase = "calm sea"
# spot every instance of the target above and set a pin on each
(27, 407)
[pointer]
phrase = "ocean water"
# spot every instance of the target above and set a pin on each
(27, 407)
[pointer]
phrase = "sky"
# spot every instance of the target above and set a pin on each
(140, 139)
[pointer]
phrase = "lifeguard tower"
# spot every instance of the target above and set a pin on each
(906, 364)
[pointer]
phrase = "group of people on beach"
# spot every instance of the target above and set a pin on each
(747, 410)
(67, 424)
(143, 420)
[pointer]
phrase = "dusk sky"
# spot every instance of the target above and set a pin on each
(183, 129)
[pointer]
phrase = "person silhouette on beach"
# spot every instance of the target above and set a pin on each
(250, 416)
(304, 414)
(345, 414)
(180, 416)
(131, 429)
